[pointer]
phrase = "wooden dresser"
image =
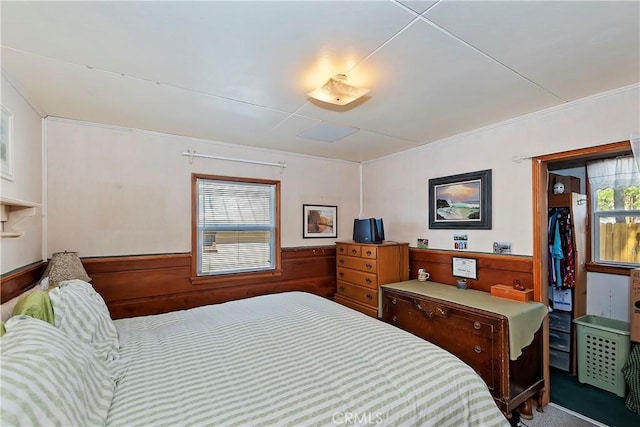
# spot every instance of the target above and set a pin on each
(478, 337)
(362, 267)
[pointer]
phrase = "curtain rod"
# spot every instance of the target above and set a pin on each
(192, 154)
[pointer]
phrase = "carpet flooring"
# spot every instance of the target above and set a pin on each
(556, 416)
(590, 401)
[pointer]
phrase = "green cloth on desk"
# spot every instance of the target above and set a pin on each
(524, 318)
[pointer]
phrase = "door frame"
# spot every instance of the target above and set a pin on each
(540, 182)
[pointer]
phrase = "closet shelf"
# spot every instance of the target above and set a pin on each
(564, 200)
(13, 211)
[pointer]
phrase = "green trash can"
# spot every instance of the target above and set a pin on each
(603, 349)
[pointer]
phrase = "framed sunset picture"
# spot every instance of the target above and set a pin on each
(461, 201)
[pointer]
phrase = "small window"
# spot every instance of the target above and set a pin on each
(236, 225)
(615, 187)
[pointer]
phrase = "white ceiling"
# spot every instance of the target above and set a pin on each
(238, 71)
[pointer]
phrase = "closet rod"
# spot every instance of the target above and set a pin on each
(192, 154)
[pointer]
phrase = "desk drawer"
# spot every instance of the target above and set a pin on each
(560, 321)
(468, 337)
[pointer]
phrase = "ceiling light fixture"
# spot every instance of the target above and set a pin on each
(336, 91)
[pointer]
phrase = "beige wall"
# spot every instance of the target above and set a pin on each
(27, 183)
(118, 191)
(396, 187)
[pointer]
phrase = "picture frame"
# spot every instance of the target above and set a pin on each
(461, 201)
(319, 221)
(464, 267)
(6, 144)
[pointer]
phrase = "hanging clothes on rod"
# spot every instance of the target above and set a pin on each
(562, 271)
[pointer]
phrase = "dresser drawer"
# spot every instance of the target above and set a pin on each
(362, 308)
(359, 293)
(358, 277)
(370, 252)
(362, 264)
(560, 321)
(559, 340)
(347, 249)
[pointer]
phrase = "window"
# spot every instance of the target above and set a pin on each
(236, 223)
(615, 191)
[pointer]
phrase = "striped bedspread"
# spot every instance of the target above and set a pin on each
(289, 359)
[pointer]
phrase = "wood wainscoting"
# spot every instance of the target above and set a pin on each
(16, 282)
(493, 269)
(151, 284)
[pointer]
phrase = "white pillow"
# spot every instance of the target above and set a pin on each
(50, 379)
(6, 308)
(81, 313)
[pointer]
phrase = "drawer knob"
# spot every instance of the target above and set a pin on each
(393, 301)
(476, 325)
(442, 312)
(394, 318)
(341, 261)
(477, 349)
(369, 297)
(427, 312)
(341, 249)
(353, 251)
(369, 266)
(341, 274)
(369, 253)
(341, 288)
(368, 280)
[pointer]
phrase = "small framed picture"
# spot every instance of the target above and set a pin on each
(465, 267)
(501, 247)
(319, 221)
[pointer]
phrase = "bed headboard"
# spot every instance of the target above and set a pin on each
(16, 282)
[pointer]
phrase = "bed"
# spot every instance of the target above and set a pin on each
(274, 360)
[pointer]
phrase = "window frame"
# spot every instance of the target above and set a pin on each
(594, 217)
(248, 276)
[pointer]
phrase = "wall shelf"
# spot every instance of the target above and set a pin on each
(13, 211)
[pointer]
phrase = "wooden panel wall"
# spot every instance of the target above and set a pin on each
(492, 268)
(142, 285)
(18, 281)
(150, 284)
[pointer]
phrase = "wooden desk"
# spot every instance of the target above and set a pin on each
(462, 325)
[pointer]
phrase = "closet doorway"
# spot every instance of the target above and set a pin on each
(540, 172)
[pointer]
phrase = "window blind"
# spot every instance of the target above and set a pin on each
(235, 226)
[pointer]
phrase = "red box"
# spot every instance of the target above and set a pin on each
(508, 291)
